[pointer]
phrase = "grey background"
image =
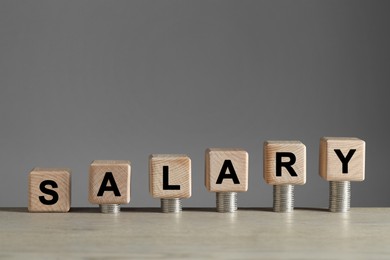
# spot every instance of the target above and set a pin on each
(85, 80)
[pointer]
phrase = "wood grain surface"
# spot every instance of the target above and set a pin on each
(144, 233)
(62, 177)
(330, 166)
(179, 167)
(270, 148)
(121, 171)
(214, 160)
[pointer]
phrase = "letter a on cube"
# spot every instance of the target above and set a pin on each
(226, 170)
(109, 182)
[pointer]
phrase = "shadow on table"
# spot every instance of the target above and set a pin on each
(10, 209)
(295, 209)
(123, 209)
(158, 210)
(311, 209)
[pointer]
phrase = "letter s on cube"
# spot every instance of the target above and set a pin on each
(49, 190)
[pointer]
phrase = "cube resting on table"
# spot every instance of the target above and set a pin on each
(49, 190)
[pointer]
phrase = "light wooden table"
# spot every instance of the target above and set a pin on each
(363, 233)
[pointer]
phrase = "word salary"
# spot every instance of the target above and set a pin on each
(226, 170)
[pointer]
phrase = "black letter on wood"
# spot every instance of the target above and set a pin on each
(108, 177)
(227, 164)
(166, 185)
(53, 193)
(345, 160)
(287, 165)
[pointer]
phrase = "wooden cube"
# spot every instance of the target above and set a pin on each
(49, 190)
(342, 159)
(169, 176)
(226, 170)
(109, 182)
(284, 162)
